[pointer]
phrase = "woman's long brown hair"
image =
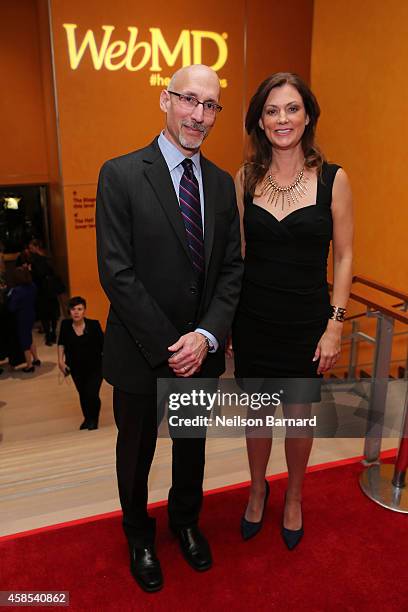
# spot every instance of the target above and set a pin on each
(260, 157)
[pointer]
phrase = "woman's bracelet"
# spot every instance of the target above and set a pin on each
(337, 313)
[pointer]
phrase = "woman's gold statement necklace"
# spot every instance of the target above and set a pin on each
(287, 193)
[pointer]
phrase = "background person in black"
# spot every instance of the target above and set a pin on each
(49, 286)
(3, 318)
(21, 303)
(80, 346)
(9, 344)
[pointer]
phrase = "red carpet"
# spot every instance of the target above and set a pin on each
(353, 557)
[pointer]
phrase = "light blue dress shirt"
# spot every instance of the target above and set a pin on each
(174, 158)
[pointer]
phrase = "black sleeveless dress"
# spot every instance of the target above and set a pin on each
(284, 305)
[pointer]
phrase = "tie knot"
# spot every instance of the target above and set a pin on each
(187, 165)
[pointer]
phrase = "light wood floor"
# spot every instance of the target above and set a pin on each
(51, 472)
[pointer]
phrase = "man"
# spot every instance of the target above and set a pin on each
(169, 261)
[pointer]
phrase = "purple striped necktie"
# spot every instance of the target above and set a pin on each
(189, 196)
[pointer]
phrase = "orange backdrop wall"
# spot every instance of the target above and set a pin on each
(359, 68)
(359, 73)
(23, 151)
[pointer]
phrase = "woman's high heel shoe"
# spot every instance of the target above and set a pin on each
(291, 537)
(249, 529)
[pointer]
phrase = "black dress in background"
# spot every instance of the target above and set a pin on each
(49, 287)
(83, 356)
(21, 303)
(285, 303)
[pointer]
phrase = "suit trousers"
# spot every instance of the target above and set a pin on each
(88, 385)
(137, 420)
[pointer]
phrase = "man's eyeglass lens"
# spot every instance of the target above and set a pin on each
(209, 107)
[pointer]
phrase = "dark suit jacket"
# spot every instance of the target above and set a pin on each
(146, 270)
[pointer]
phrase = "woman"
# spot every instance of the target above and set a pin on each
(21, 302)
(80, 346)
(3, 282)
(3, 314)
(49, 286)
(293, 205)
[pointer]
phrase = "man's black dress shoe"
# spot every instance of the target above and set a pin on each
(194, 547)
(84, 425)
(145, 568)
(92, 425)
(249, 529)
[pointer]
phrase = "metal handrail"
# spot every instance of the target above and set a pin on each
(356, 316)
(387, 309)
(369, 282)
(390, 310)
(401, 305)
(384, 484)
(377, 310)
(386, 314)
(367, 364)
(374, 306)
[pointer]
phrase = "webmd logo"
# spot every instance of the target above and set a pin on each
(134, 54)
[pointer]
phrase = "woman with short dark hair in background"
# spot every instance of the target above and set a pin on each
(80, 345)
(21, 302)
(294, 204)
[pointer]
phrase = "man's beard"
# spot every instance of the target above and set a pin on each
(192, 142)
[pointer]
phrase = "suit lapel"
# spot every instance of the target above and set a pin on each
(158, 175)
(210, 194)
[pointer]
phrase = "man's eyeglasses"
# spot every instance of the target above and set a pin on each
(210, 108)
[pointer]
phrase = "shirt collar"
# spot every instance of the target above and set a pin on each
(173, 156)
